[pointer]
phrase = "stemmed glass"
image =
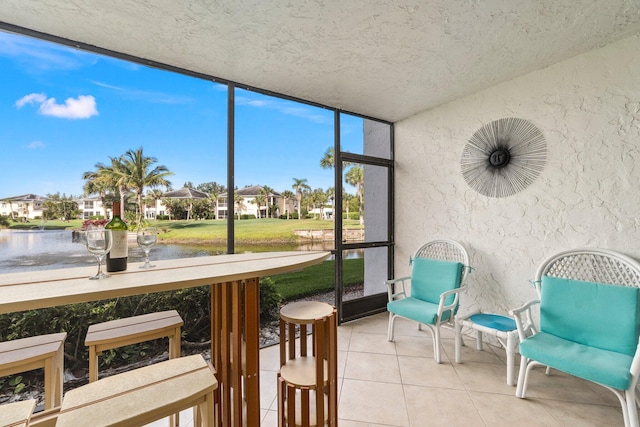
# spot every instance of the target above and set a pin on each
(98, 242)
(147, 237)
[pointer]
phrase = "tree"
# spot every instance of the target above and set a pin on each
(259, 200)
(355, 177)
(155, 195)
(328, 161)
(114, 177)
(238, 202)
(96, 183)
(57, 206)
(267, 192)
(137, 172)
(214, 190)
(318, 199)
(287, 195)
(300, 185)
(331, 195)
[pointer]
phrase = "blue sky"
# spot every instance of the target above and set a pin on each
(63, 110)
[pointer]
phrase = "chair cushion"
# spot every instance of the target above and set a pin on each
(609, 368)
(594, 314)
(430, 278)
(415, 309)
(494, 321)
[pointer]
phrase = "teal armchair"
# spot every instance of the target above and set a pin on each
(430, 296)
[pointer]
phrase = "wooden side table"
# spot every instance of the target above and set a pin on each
(308, 377)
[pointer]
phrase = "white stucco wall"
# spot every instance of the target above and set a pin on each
(588, 108)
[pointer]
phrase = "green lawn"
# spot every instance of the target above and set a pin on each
(246, 231)
(319, 278)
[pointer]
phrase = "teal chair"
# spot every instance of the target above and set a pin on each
(589, 323)
(430, 296)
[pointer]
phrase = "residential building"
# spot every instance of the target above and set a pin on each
(25, 206)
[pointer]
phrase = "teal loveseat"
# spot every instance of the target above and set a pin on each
(589, 323)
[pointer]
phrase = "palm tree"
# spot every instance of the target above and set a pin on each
(331, 194)
(287, 195)
(238, 202)
(114, 177)
(355, 177)
(300, 185)
(259, 200)
(97, 184)
(328, 161)
(155, 195)
(137, 172)
(267, 192)
(214, 190)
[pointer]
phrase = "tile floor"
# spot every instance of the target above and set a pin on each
(398, 384)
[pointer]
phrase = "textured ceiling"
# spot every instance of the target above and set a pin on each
(385, 59)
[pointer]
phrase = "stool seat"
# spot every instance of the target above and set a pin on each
(307, 380)
(17, 414)
(143, 395)
(132, 330)
(497, 325)
(42, 351)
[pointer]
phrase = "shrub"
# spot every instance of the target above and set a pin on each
(162, 217)
(270, 299)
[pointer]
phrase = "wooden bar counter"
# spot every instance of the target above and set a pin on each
(235, 308)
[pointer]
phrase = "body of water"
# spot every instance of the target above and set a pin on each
(50, 249)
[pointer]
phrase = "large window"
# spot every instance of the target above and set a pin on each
(238, 169)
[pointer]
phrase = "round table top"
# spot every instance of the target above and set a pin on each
(305, 311)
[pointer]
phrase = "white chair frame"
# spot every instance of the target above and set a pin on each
(590, 265)
(443, 250)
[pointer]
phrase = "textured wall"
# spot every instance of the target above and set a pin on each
(588, 108)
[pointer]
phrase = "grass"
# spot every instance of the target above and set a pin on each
(319, 278)
(266, 230)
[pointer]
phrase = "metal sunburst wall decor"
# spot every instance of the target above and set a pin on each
(504, 157)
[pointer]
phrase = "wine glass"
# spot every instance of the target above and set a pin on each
(147, 237)
(98, 242)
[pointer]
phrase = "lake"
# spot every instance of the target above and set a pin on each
(49, 249)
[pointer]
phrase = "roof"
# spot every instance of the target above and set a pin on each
(25, 198)
(254, 190)
(185, 193)
(384, 59)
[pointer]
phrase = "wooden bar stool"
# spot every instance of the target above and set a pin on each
(42, 351)
(144, 395)
(132, 330)
(17, 414)
(308, 378)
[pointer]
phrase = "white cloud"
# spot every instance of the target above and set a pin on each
(32, 98)
(82, 107)
(35, 145)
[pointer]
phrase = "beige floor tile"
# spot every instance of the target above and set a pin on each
(270, 358)
(469, 353)
(564, 387)
(498, 410)
(372, 402)
(428, 406)
(421, 346)
(342, 363)
(376, 324)
(349, 423)
(580, 414)
(344, 337)
(269, 419)
(373, 367)
(371, 343)
(425, 372)
(268, 388)
(484, 377)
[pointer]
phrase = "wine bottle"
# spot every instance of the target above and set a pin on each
(117, 257)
